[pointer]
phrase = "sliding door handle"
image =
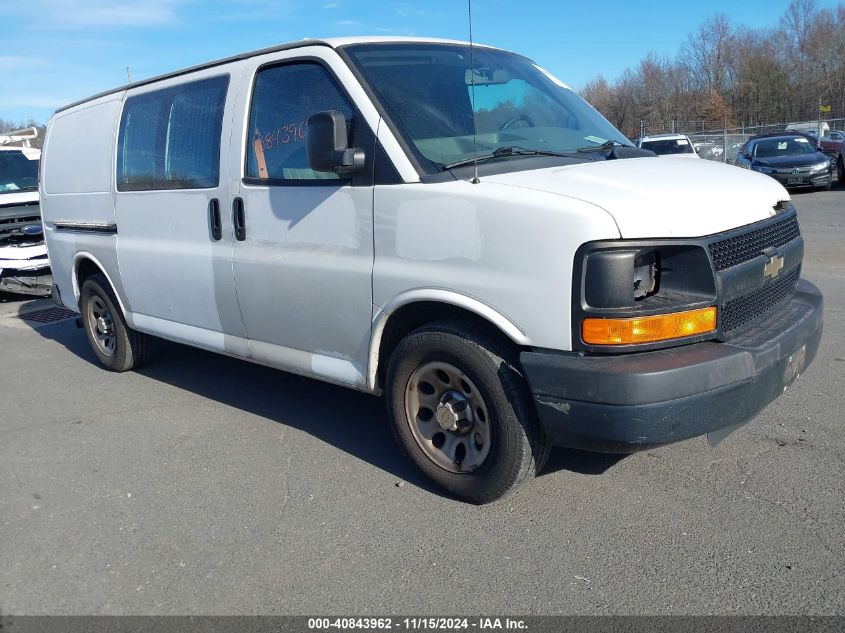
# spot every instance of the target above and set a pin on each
(238, 219)
(214, 220)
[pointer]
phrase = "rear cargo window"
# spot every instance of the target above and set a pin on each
(283, 99)
(170, 138)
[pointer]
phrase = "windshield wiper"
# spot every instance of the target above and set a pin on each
(504, 152)
(601, 148)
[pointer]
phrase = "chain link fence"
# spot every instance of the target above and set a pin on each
(722, 145)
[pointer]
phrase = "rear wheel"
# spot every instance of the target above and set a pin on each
(460, 409)
(116, 345)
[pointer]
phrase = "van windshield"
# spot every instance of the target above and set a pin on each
(434, 99)
(17, 172)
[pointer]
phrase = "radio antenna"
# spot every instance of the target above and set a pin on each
(475, 179)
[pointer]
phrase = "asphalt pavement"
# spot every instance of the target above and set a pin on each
(207, 485)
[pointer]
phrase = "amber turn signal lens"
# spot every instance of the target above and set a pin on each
(660, 327)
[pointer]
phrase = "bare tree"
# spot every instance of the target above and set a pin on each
(707, 51)
(748, 76)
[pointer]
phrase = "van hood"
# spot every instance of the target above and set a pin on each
(653, 197)
(16, 197)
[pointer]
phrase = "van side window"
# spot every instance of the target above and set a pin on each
(170, 138)
(283, 98)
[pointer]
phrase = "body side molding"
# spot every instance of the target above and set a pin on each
(86, 227)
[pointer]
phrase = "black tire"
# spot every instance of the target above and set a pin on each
(840, 168)
(518, 447)
(130, 348)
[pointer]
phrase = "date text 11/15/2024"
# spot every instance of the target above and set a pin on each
(417, 623)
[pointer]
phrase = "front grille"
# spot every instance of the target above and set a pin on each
(794, 170)
(740, 248)
(747, 308)
(12, 225)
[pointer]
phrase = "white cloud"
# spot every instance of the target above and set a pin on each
(19, 100)
(348, 23)
(395, 30)
(408, 10)
(241, 10)
(19, 62)
(73, 14)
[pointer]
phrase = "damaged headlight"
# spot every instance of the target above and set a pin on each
(638, 284)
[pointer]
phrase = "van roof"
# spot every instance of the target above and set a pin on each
(332, 42)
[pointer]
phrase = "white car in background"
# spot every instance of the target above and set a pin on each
(24, 266)
(670, 145)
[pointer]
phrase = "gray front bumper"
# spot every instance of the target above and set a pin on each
(625, 403)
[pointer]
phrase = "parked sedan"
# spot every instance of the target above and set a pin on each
(791, 159)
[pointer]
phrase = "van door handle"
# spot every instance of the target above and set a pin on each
(238, 219)
(214, 219)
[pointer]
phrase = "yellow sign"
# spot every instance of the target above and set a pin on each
(824, 108)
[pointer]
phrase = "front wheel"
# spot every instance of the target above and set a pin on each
(461, 410)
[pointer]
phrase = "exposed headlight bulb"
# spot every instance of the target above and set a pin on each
(645, 275)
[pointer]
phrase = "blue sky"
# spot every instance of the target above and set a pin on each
(53, 52)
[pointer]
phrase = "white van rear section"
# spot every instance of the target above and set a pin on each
(77, 194)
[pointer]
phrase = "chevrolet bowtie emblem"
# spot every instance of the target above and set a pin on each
(773, 266)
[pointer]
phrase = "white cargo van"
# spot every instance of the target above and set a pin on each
(472, 240)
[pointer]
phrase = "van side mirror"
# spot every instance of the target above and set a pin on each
(327, 147)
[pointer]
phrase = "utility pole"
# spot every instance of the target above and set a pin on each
(129, 75)
(725, 142)
(819, 114)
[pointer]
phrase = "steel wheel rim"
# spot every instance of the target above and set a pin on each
(448, 417)
(101, 325)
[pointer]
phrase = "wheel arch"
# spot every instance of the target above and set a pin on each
(416, 308)
(84, 265)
